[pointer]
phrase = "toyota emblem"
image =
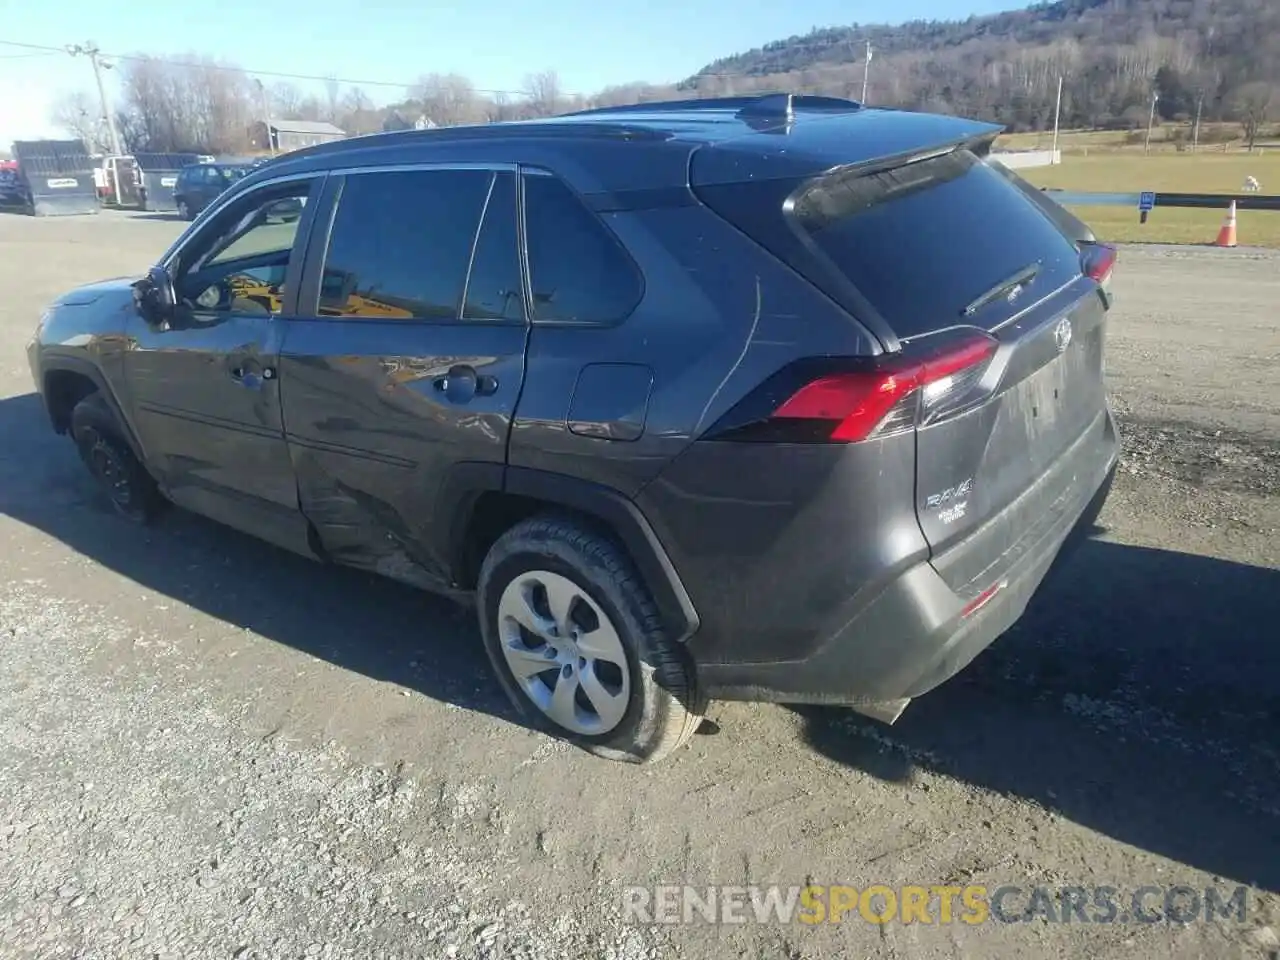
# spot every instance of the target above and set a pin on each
(1062, 334)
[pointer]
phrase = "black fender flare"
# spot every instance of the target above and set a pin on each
(86, 369)
(467, 482)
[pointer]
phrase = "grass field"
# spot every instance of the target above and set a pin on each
(1176, 172)
(1164, 139)
(1120, 225)
(1180, 172)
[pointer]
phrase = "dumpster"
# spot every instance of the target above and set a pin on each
(159, 177)
(58, 176)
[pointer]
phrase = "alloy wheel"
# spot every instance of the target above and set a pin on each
(111, 472)
(564, 652)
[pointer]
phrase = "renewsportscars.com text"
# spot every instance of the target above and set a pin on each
(934, 904)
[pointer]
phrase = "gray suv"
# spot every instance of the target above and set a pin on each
(772, 398)
(199, 184)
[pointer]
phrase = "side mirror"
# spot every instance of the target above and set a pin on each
(155, 297)
(283, 211)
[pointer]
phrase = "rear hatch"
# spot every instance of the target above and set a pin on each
(993, 322)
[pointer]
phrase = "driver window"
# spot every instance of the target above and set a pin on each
(239, 263)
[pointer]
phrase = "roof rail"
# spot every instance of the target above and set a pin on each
(661, 106)
(761, 106)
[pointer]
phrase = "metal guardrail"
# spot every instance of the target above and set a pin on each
(1201, 201)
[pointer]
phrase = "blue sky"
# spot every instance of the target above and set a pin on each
(590, 43)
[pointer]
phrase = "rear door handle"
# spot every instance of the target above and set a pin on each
(462, 383)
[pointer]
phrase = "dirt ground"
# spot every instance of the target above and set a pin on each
(210, 748)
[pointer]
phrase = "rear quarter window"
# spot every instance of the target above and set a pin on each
(579, 271)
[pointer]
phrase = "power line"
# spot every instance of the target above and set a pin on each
(276, 74)
(43, 50)
(33, 46)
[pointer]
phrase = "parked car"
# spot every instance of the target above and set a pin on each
(762, 398)
(13, 189)
(199, 184)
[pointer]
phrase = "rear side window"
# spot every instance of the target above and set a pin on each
(401, 244)
(924, 241)
(578, 270)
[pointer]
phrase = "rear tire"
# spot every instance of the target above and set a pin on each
(553, 592)
(129, 489)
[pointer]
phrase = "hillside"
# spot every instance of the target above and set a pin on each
(1005, 67)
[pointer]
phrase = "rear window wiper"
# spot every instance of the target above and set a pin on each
(1004, 288)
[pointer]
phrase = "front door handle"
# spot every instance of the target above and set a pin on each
(250, 379)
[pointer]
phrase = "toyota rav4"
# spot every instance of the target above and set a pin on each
(774, 398)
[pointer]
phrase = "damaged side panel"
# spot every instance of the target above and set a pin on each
(373, 431)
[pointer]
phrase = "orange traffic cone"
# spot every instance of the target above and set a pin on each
(1227, 235)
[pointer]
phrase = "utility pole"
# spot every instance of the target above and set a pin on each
(266, 115)
(91, 51)
(1151, 121)
(1195, 129)
(1057, 115)
(866, 73)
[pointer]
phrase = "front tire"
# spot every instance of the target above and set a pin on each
(577, 643)
(184, 211)
(129, 489)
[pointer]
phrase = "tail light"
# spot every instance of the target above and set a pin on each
(850, 400)
(1098, 261)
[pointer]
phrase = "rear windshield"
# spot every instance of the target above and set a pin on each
(929, 244)
(935, 243)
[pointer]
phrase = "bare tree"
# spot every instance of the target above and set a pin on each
(286, 101)
(542, 91)
(1252, 104)
(448, 99)
(357, 113)
(78, 114)
(499, 108)
(228, 104)
(629, 93)
(356, 100)
(310, 108)
(150, 107)
(188, 104)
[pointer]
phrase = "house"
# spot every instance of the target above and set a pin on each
(289, 135)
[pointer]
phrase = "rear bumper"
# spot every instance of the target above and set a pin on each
(913, 635)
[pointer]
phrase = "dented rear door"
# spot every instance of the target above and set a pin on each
(408, 362)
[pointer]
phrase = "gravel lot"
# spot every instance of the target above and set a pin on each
(209, 748)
